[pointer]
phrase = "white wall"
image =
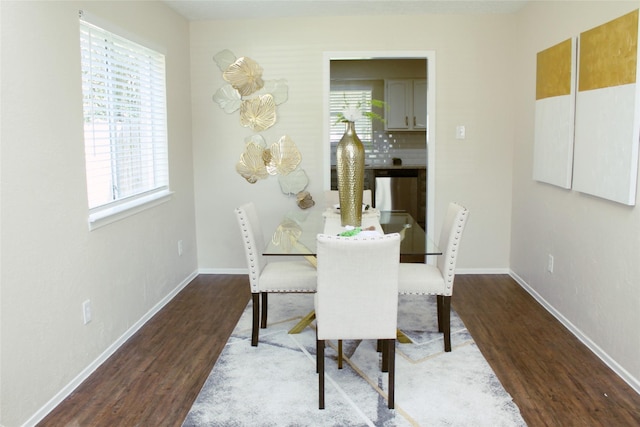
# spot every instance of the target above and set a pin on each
(51, 262)
(595, 285)
(475, 83)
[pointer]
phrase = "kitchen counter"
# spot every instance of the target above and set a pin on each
(391, 167)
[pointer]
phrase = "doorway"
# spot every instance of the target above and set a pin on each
(429, 58)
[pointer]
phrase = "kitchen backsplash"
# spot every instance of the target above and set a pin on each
(408, 146)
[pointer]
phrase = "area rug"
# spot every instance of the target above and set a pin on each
(275, 384)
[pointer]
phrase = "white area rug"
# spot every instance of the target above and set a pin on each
(275, 384)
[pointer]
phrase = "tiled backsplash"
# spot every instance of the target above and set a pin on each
(408, 146)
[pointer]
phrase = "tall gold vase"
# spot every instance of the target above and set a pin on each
(350, 168)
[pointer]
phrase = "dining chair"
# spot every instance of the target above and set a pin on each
(357, 296)
(332, 198)
(266, 276)
(426, 279)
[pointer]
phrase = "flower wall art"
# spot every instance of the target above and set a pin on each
(256, 100)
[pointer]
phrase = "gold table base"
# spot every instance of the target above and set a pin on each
(306, 321)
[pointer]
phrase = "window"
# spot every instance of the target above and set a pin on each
(338, 99)
(125, 125)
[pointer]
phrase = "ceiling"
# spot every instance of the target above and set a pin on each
(200, 10)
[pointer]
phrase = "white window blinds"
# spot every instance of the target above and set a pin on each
(338, 100)
(125, 124)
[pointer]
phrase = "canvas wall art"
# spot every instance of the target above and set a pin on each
(607, 126)
(554, 114)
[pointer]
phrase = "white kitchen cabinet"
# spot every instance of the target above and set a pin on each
(406, 104)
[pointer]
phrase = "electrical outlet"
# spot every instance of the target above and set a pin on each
(86, 311)
(180, 248)
(550, 264)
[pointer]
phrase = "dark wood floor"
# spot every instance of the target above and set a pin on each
(155, 377)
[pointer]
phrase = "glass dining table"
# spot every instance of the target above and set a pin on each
(296, 236)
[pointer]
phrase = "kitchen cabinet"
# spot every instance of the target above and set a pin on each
(406, 105)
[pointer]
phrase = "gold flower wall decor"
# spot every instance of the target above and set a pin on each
(256, 98)
(259, 113)
(245, 75)
(251, 165)
(287, 235)
(282, 159)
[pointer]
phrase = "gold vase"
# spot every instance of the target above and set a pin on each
(350, 168)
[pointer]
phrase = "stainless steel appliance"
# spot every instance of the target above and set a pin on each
(397, 190)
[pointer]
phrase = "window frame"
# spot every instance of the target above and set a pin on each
(143, 132)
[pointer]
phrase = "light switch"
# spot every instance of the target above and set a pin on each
(461, 132)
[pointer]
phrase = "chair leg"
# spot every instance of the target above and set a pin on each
(385, 355)
(446, 322)
(391, 350)
(339, 354)
(317, 357)
(255, 299)
(439, 305)
(320, 368)
(263, 321)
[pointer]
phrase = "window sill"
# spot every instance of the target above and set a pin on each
(112, 214)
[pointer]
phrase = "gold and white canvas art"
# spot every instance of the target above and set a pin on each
(555, 112)
(607, 129)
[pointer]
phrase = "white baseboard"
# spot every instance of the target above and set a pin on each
(86, 372)
(458, 271)
(608, 360)
(482, 271)
(223, 271)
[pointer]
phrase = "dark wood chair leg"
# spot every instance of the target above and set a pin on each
(255, 300)
(339, 354)
(439, 305)
(385, 355)
(391, 347)
(446, 322)
(320, 363)
(263, 321)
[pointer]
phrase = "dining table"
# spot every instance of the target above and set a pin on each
(296, 235)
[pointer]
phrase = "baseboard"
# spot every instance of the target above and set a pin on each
(86, 372)
(223, 271)
(608, 360)
(482, 271)
(458, 271)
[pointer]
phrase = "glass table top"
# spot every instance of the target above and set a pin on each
(296, 233)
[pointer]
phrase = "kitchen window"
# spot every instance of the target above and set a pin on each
(339, 98)
(125, 124)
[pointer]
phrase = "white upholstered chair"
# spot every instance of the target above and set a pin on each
(357, 296)
(425, 279)
(332, 198)
(267, 276)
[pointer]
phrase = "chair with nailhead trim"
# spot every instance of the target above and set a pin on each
(425, 279)
(267, 276)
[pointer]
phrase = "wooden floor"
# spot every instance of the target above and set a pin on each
(155, 377)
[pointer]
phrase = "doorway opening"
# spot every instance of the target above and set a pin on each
(336, 67)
